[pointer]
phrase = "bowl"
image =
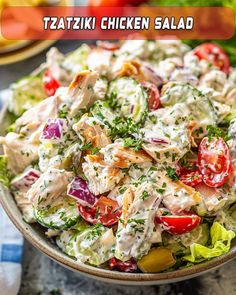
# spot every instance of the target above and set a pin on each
(34, 233)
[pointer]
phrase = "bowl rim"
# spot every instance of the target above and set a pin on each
(28, 231)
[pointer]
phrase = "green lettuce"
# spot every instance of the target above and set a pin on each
(220, 244)
(4, 172)
(26, 93)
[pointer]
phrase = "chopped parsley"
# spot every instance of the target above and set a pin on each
(89, 147)
(134, 143)
(216, 132)
(123, 128)
(112, 101)
(171, 172)
(144, 195)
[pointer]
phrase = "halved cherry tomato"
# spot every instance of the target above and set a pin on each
(154, 96)
(50, 84)
(191, 178)
(214, 54)
(179, 224)
(127, 266)
(214, 161)
(105, 211)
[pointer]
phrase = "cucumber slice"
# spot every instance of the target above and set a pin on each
(130, 97)
(26, 93)
(61, 215)
(101, 111)
(93, 245)
(76, 61)
(180, 244)
(199, 105)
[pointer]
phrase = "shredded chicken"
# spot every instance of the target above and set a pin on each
(32, 122)
(101, 177)
(137, 220)
(119, 156)
(80, 93)
(93, 131)
(178, 197)
(20, 153)
(50, 186)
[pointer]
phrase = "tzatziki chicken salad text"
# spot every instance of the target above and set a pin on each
(125, 153)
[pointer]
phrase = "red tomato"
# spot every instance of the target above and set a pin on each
(127, 266)
(109, 45)
(191, 178)
(154, 96)
(50, 84)
(117, 3)
(105, 211)
(214, 161)
(179, 224)
(214, 54)
(107, 3)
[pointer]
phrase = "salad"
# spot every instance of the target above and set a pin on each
(125, 153)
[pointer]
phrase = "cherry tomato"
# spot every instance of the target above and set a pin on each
(191, 178)
(214, 161)
(127, 266)
(179, 224)
(50, 84)
(105, 211)
(214, 54)
(107, 3)
(117, 3)
(154, 96)
(109, 45)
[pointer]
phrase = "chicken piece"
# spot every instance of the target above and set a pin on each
(232, 140)
(101, 177)
(20, 185)
(32, 122)
(168, 139)
(139, 72)
(167, 66)
(213, 199)
(117, 155)
(131, 68)
(50, 186)
(49, 156)
(230, 97)
(184, 74)
(214, 79)
(25, 206)
(53, 63)
(221, 109)
(136, 226)
(177, 197)
(80, 93)
(93, 131)
(100, 89)
(99, 60)
(51, 233)
(20, 152)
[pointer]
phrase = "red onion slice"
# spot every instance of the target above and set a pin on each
(24, 181)
(78, 189)
(53, 130)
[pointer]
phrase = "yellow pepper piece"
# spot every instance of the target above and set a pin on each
(157, 260)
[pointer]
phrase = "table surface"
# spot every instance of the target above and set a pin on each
(42, 276)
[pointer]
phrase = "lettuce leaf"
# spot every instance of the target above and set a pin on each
(221, 240)
(4, 172)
